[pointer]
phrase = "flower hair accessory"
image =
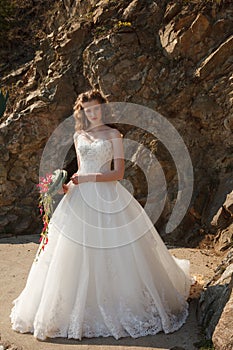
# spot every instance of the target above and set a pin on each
(48, 187)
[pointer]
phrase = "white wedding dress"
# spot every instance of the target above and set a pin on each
(105, 270)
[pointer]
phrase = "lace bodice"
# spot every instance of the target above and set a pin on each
(94, 156)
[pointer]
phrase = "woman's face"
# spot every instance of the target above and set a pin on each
(93, 112)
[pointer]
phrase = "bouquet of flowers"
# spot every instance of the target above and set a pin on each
(48, 187)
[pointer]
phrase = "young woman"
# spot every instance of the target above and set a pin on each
(105, 270)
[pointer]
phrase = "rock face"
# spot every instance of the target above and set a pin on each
(222, 337)
(216, 302)
(223, 221)
(216, 306)
(173, 57)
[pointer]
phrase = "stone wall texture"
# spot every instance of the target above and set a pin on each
(172, 57)
(175, 57)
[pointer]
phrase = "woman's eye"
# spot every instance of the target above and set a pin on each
(87, 111)
(95, 109)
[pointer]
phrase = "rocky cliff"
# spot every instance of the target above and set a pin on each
(174, 57)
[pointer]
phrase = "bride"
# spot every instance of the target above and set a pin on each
(105, 270)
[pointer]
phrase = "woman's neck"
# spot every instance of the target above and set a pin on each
(95, 128)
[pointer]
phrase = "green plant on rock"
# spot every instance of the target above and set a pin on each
(121, 24)
(3, 100)
(104, 30)
(101, 30)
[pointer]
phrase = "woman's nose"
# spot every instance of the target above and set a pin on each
(92, 113)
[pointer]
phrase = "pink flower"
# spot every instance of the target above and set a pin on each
(44, 183)
(45, 226)
(44, 207)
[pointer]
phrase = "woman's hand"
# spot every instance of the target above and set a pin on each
(75, 179)
(65, 188)
(80, 178)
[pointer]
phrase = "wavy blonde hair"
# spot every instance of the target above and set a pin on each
(81, 121)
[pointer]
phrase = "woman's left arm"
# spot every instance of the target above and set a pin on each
(112, 175)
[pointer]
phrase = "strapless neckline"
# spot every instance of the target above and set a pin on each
(95, 140)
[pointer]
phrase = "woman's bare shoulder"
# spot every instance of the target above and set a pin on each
(77, 134)
(115, 133)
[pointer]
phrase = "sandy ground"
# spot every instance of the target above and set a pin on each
(16, 256)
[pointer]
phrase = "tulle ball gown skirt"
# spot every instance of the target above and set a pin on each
(104, 272)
